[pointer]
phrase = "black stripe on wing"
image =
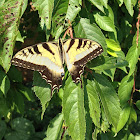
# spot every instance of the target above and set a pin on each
(71, 43)
(47, 47)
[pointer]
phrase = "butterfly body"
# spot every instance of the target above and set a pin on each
(48, 58)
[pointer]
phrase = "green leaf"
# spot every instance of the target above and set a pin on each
(85, 29)
(138, 104)
(42, 91)
(64, 10)
(73, 110)
(105, 23)
(120, 2)
(74, 8)
(113, 45)
(124, 116)
(3, 128)
(5, 85)
(132, 58)
(89, 124)
(27, 92)
(125, 89)
(4, 82)
(94, 105)
(98, 4)
(45, 9)
(104, 3)
(131, 137)
(129, 6)
(15, 77)
(60, 10)
(54, 130)
(10, 14)
(114, 48)
(133, 115)
(104, 122)
(3, 107)
(16, 100)
(110, 14)
(109, 99)
(21, 129)
(19, 37)
(2, 2)
(105, 62)
(23, 6)
(110, 73)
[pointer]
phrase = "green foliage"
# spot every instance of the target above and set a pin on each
(54, 130)
(73, 110)
(108, 104)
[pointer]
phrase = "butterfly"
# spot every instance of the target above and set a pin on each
(48, 58)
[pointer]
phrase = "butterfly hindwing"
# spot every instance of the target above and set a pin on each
(77, 53)
(45, 58)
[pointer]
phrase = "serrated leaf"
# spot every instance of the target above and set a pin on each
(10, 14)
(125, 88)
(132, 58)
(104, 122)
(87, 30)
(105, 23)
(109, 99)
(98, 4)
(73, 110)
(45, 9)
(94, 105)
(42, 91)
(21, 129)
(54, 130)
(124, 116)
(138, 104)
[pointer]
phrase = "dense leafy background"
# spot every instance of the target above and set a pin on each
(107, 107)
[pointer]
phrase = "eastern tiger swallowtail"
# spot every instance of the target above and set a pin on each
(48, 58)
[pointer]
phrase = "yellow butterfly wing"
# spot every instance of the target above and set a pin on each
(77, 53)
(45, 58)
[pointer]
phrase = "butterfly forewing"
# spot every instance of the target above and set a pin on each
(45, 58)
(77, 53)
